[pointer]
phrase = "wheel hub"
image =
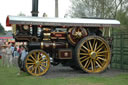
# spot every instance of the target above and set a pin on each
(93, 55)
(37, 63)
(78, 34)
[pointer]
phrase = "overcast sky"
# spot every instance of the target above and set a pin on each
(14, 7)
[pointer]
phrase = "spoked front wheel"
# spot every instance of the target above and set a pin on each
(37, 62)
(93, 54)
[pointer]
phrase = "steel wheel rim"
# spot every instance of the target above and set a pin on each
(37, 63)
(94, 55)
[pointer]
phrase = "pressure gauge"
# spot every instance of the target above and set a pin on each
(26, 27)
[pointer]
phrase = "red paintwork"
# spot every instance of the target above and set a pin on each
(6, 37)
(0, 57)
(7, 21)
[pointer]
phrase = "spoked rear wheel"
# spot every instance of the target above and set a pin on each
(37, 63)
(93, 54)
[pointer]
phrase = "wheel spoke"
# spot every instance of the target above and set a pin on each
(35, 69)
(41, 68)
(84, 54)
(43, 65)
(85, 59)
(33, 58)
(83, 50)
(44, 62)
(86, 48)
(98, 64)
(43, 59)
(38, 69)
(38, 56)
(87, 45)
(90, 46)
(99, 46)
(41, 56)
(95, 46)
(30, 60)
(30, 63)
(101, 58)
(92, 65)
(100, 55)
(94, 43)
(30, 66)
(34, 54)
(102, 52)
(100, 49)
(86, 63)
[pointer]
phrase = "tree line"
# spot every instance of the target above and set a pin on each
(2, 31)
(115, 9)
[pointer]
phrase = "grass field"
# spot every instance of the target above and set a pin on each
(8, 77)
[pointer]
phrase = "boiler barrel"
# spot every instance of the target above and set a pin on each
(47, 45)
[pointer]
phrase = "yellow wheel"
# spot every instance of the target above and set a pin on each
(37, 62)
(93, 54)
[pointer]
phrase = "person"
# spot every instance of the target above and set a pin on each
(15, 56)
(9, 55)
(3, 54)
(12, 49)
(19, 50)
(23, 53)
(22, 57)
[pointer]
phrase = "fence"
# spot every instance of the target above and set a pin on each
(120, 51)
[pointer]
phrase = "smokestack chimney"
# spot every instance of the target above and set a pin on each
(34, 13)
(34, 8)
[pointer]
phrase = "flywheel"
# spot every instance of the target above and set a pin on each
(76, 34)
(93, 54)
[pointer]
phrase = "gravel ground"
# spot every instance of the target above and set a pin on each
(62, 72)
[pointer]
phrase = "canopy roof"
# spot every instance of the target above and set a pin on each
(61, 21)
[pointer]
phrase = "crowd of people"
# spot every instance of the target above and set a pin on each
(10, 54)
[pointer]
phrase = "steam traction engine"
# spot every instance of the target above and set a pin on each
(77, 43)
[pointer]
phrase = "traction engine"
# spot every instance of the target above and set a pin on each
(77, 43)
(73, 42)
